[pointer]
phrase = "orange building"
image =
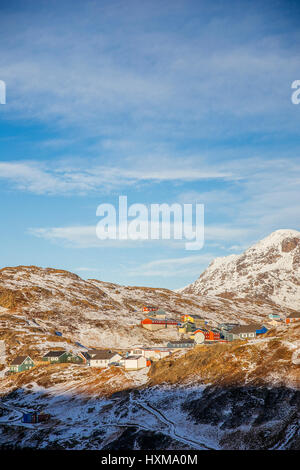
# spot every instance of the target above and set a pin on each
(292, 318)
(158, 323)
(210, 335)
(149, 308)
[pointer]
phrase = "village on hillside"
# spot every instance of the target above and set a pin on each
(193, 330)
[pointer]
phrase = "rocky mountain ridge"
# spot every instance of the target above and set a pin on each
(268, 270)
(35, 302)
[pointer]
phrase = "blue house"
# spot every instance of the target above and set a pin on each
(261, 330)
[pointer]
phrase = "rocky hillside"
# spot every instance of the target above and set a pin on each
(238, 396)
(269, 270)
(36, 302)
(270, 360)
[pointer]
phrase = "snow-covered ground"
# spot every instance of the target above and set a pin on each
(269, 269)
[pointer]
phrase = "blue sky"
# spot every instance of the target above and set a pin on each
(162, 101)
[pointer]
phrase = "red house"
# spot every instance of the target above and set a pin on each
(292, 318)
(210, 335)
(158, 323)
(149, 308)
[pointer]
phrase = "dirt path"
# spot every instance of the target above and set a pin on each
(171, 425)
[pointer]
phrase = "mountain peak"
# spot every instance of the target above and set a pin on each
(270, 269)
(278, 236)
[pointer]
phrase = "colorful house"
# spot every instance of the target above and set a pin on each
(85, 356)
(149, 308)
(34, 417)
(181, 344)
(262, 330)
(62, 357)
(274, 316)
(153, 323)
(293, 317)
(244, 332)
(160, 313)
(21, 363)
(195, 319)
(206, 334)
(187, 327)
(182, 328)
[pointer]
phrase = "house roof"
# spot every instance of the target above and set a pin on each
(19, 360)
(228, 325)
(85, 354)
(294, 315)
(54, 353)
(154, 348)
(163, 320)
(182, 341)
(246, 328)
(101, 354)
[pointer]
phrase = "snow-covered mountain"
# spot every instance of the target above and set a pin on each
(268, 270)
(216, 396)
(35, 302)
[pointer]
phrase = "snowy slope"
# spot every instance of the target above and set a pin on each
(36, 302)
(222, 396)
(179, 405)
(269, 270)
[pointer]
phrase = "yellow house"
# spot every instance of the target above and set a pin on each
(196, 319)
(186, 318)
(182, 329)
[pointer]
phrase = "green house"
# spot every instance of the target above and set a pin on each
(21, 363)
(62, 357)
(190, 327)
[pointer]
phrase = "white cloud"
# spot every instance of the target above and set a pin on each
(84, 236)
(46, 179)
(174, 267)
(106, 72)
(84, 269)
(76, 236)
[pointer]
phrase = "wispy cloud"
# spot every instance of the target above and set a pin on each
(174, 267)
(176, 101)
(84, 236)
(117, 77)
(60, 179)
(84, 269)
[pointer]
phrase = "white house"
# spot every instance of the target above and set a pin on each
(103, 358)
(134, 362)
(153, 353)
